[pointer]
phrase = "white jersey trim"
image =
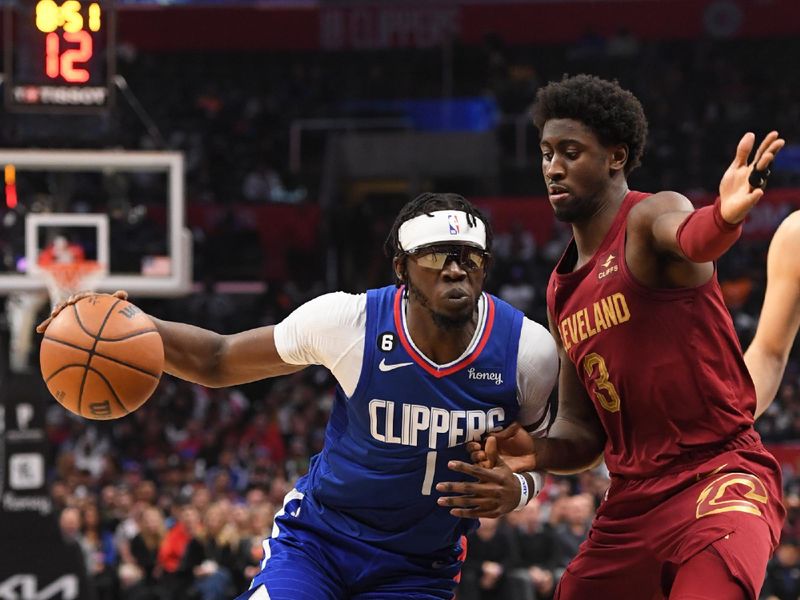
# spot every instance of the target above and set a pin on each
(261, 593)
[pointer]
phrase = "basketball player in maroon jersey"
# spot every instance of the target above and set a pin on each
(694, 507)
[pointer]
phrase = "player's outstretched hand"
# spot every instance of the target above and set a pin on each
(496, 491)
(737, 196)
(42, 327)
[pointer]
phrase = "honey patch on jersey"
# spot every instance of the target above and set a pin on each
(587, 322)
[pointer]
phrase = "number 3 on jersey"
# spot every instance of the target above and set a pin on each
(604, 391)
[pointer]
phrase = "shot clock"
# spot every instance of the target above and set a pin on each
(59, 55)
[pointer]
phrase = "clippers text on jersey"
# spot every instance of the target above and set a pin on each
(416, 424)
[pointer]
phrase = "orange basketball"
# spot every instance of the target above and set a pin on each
(102, 357)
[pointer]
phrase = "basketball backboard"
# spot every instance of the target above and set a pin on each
(125, 210)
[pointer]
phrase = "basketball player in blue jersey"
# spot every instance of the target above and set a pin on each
(423, 366)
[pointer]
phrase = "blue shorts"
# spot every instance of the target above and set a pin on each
(306, 560)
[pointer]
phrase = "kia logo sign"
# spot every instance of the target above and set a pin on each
(26, 587)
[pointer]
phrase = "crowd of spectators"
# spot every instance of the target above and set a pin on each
(699, 96)
(231, 112)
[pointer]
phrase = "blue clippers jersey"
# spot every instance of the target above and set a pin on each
(388, 445)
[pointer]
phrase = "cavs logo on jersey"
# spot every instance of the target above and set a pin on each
(608, 267)
(741, 492)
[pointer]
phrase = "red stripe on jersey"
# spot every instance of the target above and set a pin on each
(420, 360)
(462, 557)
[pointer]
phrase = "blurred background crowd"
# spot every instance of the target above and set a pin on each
(173, 501)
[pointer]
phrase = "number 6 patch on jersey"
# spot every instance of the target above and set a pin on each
(740, 492)
(386, 341)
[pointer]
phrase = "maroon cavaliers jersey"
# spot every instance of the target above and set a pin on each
(663, 367)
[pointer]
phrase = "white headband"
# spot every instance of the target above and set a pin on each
(441, 227)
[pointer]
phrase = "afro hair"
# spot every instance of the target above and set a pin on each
(614, 114)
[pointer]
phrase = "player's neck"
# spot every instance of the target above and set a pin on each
(439, 343)
(590, 233)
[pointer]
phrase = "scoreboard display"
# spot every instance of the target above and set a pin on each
(59, 55)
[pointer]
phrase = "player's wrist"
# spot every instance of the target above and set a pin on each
(530, 484)
(705, 235)
(524, 491)
(724, 224)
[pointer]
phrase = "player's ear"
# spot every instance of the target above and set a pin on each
(619, 157)
(399, 266)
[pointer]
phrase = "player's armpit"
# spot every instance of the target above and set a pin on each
(215, 360)
(780, 316)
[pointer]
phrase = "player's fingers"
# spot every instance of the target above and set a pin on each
(492, 456)
(473, 471)
(465, 494)
(41, 327)
(747, 202)
(506, 433)
(461, 489)
(121, 294)
(58, 308)
(74, 299)
(743, 149)
(473, 447)
(479, 458)
(463, 501)
(765, 144)
(753, 197)
(467, 500)
(768, 156)
(462, 467)
(476, 513)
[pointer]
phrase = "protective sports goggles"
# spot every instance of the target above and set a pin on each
(436, 257)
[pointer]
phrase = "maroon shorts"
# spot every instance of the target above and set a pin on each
(645, 528)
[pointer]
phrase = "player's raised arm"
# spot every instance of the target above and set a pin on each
(703, 235)
(216, 360)
(780, 316)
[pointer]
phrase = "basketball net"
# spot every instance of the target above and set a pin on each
(65, 279)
